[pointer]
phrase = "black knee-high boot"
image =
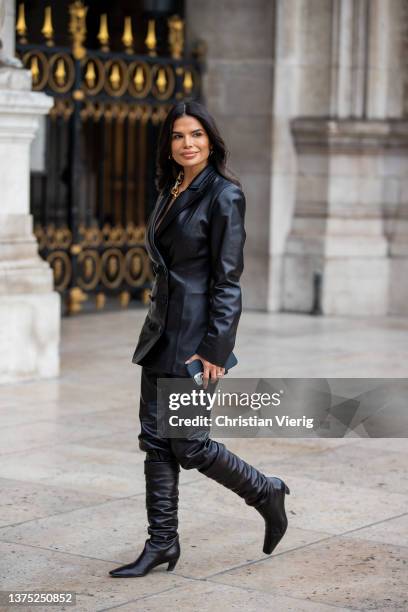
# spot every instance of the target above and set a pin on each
(266, 494)
(163, 546)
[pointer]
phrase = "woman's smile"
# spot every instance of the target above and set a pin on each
(189, 155)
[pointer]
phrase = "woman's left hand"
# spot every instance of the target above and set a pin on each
(211, 372)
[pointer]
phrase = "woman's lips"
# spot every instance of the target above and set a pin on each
(188, 155)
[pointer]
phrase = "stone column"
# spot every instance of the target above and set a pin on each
(29, 308)
(7, 31)
(349, 172)
(351, 162)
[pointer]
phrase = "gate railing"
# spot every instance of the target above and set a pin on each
(91, 200)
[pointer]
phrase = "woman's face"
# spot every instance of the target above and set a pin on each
(190, 145)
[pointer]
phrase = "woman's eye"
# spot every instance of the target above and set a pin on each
(177, 136)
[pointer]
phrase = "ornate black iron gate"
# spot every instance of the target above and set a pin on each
(91, 200)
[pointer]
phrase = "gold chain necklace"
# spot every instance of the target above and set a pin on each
(175, 190)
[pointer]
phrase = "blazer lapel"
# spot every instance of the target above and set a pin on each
(149, 240)
(187, 197)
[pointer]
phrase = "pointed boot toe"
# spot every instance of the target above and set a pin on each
(273, 512)
(150, 557)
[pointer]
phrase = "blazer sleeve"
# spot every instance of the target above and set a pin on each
(227, 239)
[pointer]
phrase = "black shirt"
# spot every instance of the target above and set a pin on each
(152, 358)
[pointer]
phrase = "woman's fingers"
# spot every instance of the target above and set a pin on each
(211, 372)
(206, 374)
(216, 373)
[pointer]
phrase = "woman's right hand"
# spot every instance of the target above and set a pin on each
(211, 372)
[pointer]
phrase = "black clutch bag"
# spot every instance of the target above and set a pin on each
(195, 368)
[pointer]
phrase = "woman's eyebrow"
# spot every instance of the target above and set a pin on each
(192, 131)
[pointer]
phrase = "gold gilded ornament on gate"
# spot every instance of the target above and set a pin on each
(77, 28)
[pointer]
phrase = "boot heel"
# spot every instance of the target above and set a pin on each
(287, 490)
(172, 565)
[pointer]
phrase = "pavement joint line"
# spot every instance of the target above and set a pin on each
(111, 500)
(26, 450)
(390, 518)
(95, 505)
(233, 586)
(53, 422)
(291, 550)
(71, 554)
(51, 445)
(73, 414)
(288, 596)
(109, 434)
(263, 560)
(211, 576)
(125, 603)
(55, 550)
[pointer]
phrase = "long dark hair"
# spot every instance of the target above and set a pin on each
(168, 169)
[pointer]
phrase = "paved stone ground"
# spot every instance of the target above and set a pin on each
(71, 475)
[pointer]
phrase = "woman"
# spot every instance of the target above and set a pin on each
(195, 240)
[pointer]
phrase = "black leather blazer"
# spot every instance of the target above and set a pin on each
(197, 258)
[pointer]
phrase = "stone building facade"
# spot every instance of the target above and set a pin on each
(312, 98)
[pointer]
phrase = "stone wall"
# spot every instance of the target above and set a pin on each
(238, 89)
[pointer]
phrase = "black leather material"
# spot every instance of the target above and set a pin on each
(155, 455)
(149, 440)
(199, 451)
(162, 478)
(272, 509)
(214, 460)
(266, 494)
(197, 257)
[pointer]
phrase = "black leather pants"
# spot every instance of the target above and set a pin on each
(198, 452)
(211, 458)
